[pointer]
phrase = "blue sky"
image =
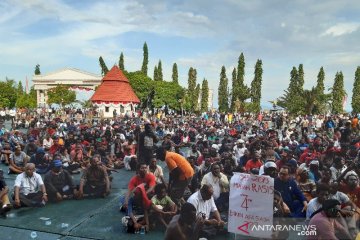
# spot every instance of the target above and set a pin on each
(203, 34)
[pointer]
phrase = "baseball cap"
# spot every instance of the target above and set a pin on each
(40, 150)
(270, 164)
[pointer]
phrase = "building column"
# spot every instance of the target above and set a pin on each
(46, 97)
(38, 98)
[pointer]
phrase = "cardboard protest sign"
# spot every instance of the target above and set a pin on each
(251, 204)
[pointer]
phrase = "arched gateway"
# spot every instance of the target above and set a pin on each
(74, 78)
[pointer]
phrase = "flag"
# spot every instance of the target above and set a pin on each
(27, 86)
(344, 102)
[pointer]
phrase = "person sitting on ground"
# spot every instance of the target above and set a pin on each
(204, 204)
(164, 208)
(95, 180)
(325, 222)
(29, 189)
(322, 193)
(59, 183)
(220, 185)
(142, 177)
(186, 225)
(254, 163)
(5, 153)
(290, 193)
(4, 197)
(18, 160)
(41, 161)
(307, 186)
(157, 171)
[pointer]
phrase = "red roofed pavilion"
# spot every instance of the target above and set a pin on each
(115, 93)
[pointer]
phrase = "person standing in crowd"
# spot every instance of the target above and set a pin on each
(29, 189)
(180, 173)
(146, 144)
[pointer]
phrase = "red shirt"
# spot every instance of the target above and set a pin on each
(251, 164)
(149, 180)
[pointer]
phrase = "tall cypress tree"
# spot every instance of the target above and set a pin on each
(244, 91)
(301, 79)
(355, 101)
(223, 92)
(121, 62)
(234, 90)
(144, 68)
(204, 95)
(37, 70)
(197, 96)
(104, 69)
(20, 89)
(160, 74)
(256, 86)
(156, 76)
(320, 86)
(338, 93)
(175, 75)
(191, 88)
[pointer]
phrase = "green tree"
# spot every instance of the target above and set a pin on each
(197, 96)
(175, 75)
(256, 86)
(121, 62)
(355, 100)
(37, 69)
(145, 63)
(320, 86)
(301, 79)
(338, 93)
(243, 91)
(292, 100)
(104, 68)
(156, 74)
(234, 90)
(165, 92)
(204, 95)
(61, 95)
(191, 88)
(8, 93)
(223, 92)
(160, 74)
(27, 100)
(20, 89)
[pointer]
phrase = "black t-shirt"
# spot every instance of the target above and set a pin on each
(2, 183)
(345, 135)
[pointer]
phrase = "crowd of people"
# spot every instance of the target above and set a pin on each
(313, 160)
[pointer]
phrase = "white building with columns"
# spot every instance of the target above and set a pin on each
(74, 78)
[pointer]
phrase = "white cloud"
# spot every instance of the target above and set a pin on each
(342, 29)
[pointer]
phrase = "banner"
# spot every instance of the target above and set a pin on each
(251, 204)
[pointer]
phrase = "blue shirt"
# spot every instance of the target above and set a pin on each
(289, 191)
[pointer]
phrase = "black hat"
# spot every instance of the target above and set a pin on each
(330, 203)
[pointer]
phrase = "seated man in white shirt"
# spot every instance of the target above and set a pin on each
(204, 203)
(29, 189)
(220, 184)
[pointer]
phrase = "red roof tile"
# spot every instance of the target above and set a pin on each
(115, 87)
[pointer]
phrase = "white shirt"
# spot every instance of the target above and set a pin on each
(239, 152)
(28, 184)
(48, 143)
(312, 206)
(217, 183)
(202, 206)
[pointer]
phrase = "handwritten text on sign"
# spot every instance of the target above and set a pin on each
(251, 203)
